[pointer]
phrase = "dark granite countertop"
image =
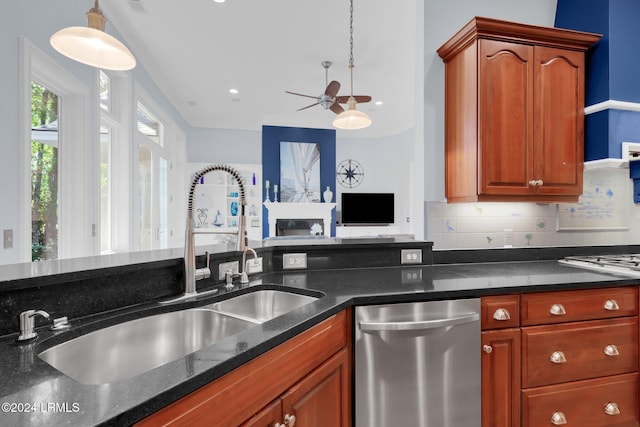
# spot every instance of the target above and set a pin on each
(42, 396)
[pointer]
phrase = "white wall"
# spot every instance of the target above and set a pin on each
(37, 20)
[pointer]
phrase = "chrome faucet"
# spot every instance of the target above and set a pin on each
(27, 324)
(192, 274)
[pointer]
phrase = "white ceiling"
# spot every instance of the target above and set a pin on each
(196, 50)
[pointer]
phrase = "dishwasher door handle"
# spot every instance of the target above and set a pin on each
(419, 325)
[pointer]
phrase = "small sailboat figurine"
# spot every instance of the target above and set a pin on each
(217, 221)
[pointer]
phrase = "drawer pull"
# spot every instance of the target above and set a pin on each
(487, 348)
(501, 314)
(558, 419)
(611, 350)
(558, 357)
(611, 409)
(611, 304)
(557, 310)
(289, 421)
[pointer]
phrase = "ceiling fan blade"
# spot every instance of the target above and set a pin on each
(336, 108)
(300, 94)
(360, 99)
(308, 106)
(332, 89)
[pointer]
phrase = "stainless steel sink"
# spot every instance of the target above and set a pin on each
(133, 347)
(262, 305)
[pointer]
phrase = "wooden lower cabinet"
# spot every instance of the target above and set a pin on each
(602, 402)
(501, 378)
(307, 377)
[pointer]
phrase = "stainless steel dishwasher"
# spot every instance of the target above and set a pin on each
(418, 364)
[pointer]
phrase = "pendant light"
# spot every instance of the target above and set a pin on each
(351, 118)
(92, 46)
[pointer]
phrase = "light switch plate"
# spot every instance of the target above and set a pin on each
(223, 267)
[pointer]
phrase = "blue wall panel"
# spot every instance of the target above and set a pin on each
(271, 138)
(596, 133)
(591, 16)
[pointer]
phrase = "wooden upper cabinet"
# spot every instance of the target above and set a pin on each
(514, 112)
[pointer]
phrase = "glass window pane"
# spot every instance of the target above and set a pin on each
(145, 200)
(149, 125)
(105, 189)
(105, 91)
(163, 202)
(44, 173)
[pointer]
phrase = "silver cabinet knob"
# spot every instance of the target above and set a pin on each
(557, 310)
(611, 350)
(558, 419)
(558, 357)
(539, 183)
(611, 305)
(487, 348)
(532, 183)
(612, 409)
(501, 314)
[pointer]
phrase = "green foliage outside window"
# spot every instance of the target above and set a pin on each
(44, 177)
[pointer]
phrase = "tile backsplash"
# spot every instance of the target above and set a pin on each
(607, 204)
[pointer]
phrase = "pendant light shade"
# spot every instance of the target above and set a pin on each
(351, 119)
(92, 46)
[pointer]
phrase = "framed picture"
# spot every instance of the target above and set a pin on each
(299, 172)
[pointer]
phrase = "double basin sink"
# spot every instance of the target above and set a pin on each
(133, 347)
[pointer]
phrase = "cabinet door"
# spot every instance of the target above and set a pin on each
(501, 378)
(322, 398)
(268, 417)
(559, 118)
(505, 83)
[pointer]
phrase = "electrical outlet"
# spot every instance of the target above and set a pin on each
(411, 256)
(253, 266)
(508, 238)
(294, 261)
(231, 266)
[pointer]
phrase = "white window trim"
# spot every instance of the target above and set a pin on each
(76, 203)
(119, 118)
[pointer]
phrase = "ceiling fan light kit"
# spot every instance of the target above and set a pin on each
(92, 46)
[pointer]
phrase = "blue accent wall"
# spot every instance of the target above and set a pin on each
(611, 70)
(271, 138)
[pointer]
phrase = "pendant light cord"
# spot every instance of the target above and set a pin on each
(351, 43)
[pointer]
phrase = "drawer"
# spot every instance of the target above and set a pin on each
(570, 306)
(603, 402)
(500, 312)
(554, 354)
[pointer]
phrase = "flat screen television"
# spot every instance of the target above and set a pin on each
(367, 208)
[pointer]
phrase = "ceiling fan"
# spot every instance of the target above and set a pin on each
(328, 100)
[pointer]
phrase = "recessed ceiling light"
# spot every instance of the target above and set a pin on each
(219, 1)
(379, 102)
(233, 91)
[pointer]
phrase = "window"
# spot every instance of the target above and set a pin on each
(153, 176)
(56, 200)
(44, 173)
(105, 91)
(105, 189)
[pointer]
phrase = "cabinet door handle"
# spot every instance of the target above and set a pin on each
(487, 348)
(611, 304)
(289, 421)
(558, 357)
(539, 183)
(501, 314)
(611, 350)
(557, 310)
(558, 419)
(611, 409)
(532, 183)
